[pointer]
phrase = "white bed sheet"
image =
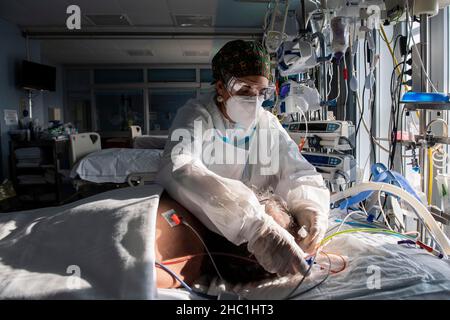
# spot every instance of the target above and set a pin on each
(109, 237)
(114, 165)
(405, 273)
(150, 141)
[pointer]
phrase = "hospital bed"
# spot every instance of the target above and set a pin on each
(102, 247)
(92, 165)
(149, 141)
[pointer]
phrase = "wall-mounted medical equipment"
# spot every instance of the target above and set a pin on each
(338, 170)
(298, 97)
(275, 25)
(334, 135)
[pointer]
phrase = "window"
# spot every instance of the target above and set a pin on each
(118, 110)
(206, 75)
(78, 79)
(78, 110)
(110, 76)
(164, 104)
(110, 99)
(172, 75)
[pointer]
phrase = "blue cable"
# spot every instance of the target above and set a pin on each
(184, 284)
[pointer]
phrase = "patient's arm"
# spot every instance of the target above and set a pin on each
(177, 242)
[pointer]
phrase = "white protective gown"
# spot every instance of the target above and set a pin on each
(220, 195)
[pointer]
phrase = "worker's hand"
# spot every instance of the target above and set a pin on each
(276, 251)
(309, 216)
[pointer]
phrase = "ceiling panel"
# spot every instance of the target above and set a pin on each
(193, 7)
(103, 51)
(147, 13)
(33, 12)
(98, 6)
(146, 16)
(225, 13)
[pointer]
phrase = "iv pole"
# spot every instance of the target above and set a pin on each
(424, 116)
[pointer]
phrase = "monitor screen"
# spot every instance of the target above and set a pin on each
(37, 76)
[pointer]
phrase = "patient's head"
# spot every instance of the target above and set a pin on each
(275, 206)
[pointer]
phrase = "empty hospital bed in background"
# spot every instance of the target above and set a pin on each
(149, 141)
(93, 166)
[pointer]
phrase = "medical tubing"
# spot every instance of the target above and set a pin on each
(192, 256)
(314, 286)
(391, 51)
(206, 248)
(289, 296)
(367, 230)
(382, 211)
(425, 217)
(410, 26)
(184, 284)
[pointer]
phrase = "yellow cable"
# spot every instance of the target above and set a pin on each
(367, 230)
(430, 175)
(394, 59)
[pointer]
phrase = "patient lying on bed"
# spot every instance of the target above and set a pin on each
(182, 252)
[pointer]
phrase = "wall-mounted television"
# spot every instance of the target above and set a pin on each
(37, 76)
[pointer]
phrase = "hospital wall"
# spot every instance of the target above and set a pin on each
(13, 49)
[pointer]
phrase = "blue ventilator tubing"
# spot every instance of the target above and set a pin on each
(381, 174)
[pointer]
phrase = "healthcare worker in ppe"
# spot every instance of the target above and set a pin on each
(212, 164)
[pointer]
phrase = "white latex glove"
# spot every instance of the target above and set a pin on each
(276, 250)
(309, 214)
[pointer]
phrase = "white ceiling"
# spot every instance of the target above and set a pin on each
(104, 51)
(45, 20)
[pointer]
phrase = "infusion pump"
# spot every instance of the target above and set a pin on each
(338, 170)
(335, 135)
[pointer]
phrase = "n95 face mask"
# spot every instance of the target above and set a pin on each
(244, 110)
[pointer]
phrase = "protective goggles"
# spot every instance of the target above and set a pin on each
(237, 87)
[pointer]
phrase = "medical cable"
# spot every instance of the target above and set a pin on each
(430, 175)
(345, 219)
(395, 108)
(205, 246)
(382, 210)
(323, 243)
(366, 126)
(292, 296)
(344, 262)
(330, 73)
(423, 215)
(345, 73)
(192, 256)
(184, 284)
(366, 230)
(417, 50)
(302, 143)
(391, 51)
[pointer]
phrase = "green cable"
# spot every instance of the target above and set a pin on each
(369, 230)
